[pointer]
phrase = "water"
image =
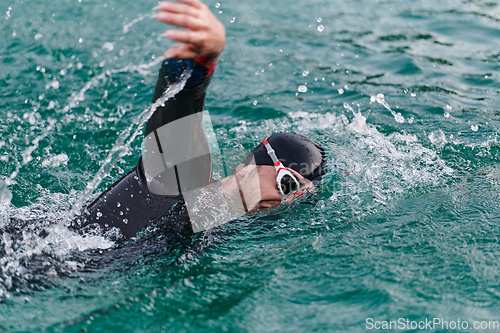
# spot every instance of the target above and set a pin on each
(403, 96)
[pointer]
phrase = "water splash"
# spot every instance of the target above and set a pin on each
(26, 154)
(380, 98)
(74, 101)
(368, 169)
(42, 230)
(126, 27)
(76, 98)
(34, 238)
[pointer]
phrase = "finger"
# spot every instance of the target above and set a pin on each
(181, 51)
(187, 37)
(180, 20)
(194, 3)
(170, 7)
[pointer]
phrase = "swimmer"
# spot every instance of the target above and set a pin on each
(286, 164)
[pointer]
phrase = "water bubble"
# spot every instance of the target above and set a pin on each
(399, 118)
(98, 215)
(321, 28)
(254, 102)
(341, 91)
(474, 128)
(413, 94)
(79, 65)
(348, 107)
(437, 138)
(302, 88)
(118, 204)
(447, 115)
(55, 161)
(411, 119)
(217, 5)
(38, 36)
(125, 220)
(121, 213)
(305, 73)
(320, 19)
(233, 19)
(55, 84)
(333, 84)
(80, 40)
(108, 46)
(448, 107)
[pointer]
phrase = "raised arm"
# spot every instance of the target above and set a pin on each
(131, 203)
(197, 48)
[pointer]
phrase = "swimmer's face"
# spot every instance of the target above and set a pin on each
(258, 184)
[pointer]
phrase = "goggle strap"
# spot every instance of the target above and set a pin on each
(270, 151)
(278, 166)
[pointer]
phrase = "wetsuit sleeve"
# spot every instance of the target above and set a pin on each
(129, 205)
(188, 101)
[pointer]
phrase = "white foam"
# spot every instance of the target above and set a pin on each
(55, 161)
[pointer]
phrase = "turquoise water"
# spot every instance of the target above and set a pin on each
(403, 96)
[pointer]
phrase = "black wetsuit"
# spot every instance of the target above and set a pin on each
(128, 204)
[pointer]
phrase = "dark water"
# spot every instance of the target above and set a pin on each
(403, 96)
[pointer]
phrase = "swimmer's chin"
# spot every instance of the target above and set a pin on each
(260, 209)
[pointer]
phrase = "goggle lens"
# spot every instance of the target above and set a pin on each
(288, 184)
(285, 180)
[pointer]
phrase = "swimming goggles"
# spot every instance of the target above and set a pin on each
(285, 180)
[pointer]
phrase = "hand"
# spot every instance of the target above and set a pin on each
(205, 34)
